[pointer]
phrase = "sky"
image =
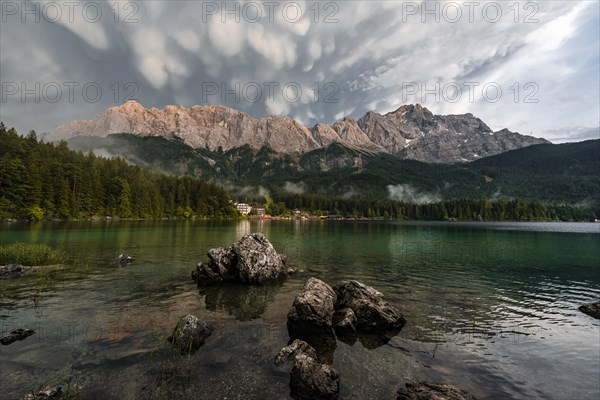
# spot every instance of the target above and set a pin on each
(530, 66)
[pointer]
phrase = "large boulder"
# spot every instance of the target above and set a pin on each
(190, 334)
(311, 318)
(432, 391)
(372, 312)
(251, 260)
(216, 271)
(258, 262)
(309, 378)
(313, 309)
(591, 309)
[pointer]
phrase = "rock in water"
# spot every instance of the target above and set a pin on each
(216, 271)
(591, 309)
(18, 334)
(258, 262)
(13, 270)
(372, 312)
(251, 260)
(309, 379)
(311, 318)
(432, 391)
(190, 334)
(289, 353)
(312, 310)
(49, 393)
(123, 259)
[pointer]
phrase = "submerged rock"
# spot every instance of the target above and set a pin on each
(288, 354)
(251, 260)
(18, 334)
(372, 312)
(432, 391)
(190, 334)
(591, 309)
(49, 393)
(14, 270)
(309, 379)
(123, 259)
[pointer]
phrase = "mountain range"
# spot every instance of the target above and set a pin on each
(410, 132)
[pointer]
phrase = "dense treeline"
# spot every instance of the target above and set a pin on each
(44, 181)
(460, 209)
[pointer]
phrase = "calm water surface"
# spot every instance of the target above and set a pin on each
(491, 307)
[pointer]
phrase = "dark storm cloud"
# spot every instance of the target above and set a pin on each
(361, 59)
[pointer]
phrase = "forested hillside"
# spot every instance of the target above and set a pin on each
(450, 210)
(45, 181)
(551, 174)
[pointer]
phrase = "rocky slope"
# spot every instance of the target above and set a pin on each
(411, 132)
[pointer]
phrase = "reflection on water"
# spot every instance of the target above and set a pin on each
(243, 302)
(489, 307)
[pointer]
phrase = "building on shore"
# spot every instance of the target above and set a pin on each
(244, 208)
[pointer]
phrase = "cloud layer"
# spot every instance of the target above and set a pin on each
(532, 68)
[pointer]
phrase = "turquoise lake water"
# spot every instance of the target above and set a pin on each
(490, 307)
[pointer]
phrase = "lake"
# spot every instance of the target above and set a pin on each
(490, 307)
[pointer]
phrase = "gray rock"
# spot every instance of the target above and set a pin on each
(122, 259)
(288, 354)
(591, 309)
(372, 312)
(216, 271)
(313, 308)
(309, 379)
(258, 262)
(311, 318)
(49, 393)
(190, 334)
(432, 391)
(17, 334)
(14, 270)
(344, 322)
(251, 260)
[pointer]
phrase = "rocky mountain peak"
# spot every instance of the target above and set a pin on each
(411, 131)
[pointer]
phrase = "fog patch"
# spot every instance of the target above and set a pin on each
(349, 193)
(294, 188)
(407, 193)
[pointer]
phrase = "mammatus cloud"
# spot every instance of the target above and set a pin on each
(407, 193)
(531, 68)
